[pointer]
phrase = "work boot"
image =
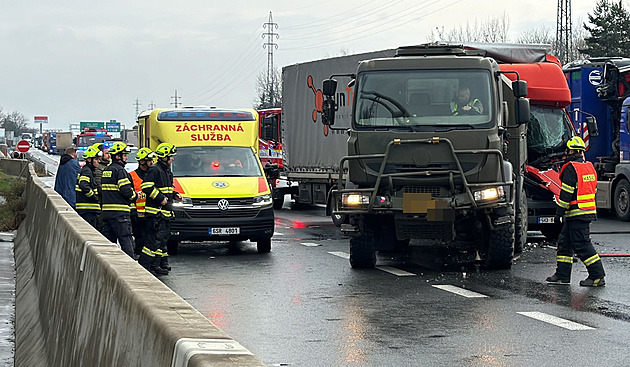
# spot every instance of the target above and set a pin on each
(555, 280)
(590, 282)
(164, 263)
(156, 270)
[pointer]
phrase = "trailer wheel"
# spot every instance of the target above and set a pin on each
(501, 245)
(172, 246)
(622, 200)
(363, 249)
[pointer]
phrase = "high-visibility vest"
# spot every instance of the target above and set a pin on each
(142, 197)
(586, 187)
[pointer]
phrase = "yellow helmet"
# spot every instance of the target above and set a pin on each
(165, 150)
(145, 153)
(92, 152)
(576, 143)
(119, 148)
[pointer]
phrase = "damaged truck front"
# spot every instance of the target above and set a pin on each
(425, 163)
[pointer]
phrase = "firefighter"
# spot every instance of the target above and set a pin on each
(88, 203)
(118, 196)
(158, 186)
(101, 164)
(145, 159)
(577, 205)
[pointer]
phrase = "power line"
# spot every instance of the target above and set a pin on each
(176, 99)
(270, 46)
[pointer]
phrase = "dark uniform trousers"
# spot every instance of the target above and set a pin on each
(91, 217)
(118, 228)
(139, 227)
(575, 240)
(157, 235)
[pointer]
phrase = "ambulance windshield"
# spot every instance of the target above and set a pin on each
(215, 161)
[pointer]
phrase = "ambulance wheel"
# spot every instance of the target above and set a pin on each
(263, 245)
(622, 200)
(172, 246)
(278, 199)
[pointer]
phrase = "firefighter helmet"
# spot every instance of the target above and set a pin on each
(92, 152)
(145, 153)
(165, 150)
(576, 143)
(119, 148)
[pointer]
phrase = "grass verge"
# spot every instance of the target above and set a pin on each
(12, 207)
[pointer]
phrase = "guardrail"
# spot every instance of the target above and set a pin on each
(81, 301)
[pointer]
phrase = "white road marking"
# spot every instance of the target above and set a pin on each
(459, 291)
(310, 244)
(342, 255)
(398, 272)
(278, 234)
(570, 325)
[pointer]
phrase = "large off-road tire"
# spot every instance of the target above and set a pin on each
(520, 232)
(263, 245)
(278, 199)
(622, 200)
(500, 249)
(551, 231)
(362, 251)
(172, 247)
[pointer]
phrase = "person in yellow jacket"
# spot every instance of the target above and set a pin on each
(138, 222)
(576, 208)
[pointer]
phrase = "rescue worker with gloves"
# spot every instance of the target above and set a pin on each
(88, 200)
(577, 205)
(118, 196)
(145, 159)
(158, 186)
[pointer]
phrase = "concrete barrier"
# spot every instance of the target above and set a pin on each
(80, 301)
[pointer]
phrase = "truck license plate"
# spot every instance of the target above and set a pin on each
(226, 231)
(546, 220)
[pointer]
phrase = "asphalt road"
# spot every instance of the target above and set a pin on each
(302, 304)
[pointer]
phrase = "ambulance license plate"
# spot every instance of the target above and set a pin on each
(225, 231)
(546, 220)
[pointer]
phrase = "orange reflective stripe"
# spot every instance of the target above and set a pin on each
(142, 197)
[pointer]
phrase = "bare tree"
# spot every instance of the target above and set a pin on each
(268, 96)
(493, 29)
(539, 35)
(14, 121)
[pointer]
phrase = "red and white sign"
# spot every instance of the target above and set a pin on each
(23, 146)
(40, 119)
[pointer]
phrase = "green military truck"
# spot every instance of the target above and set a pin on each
(424, 162)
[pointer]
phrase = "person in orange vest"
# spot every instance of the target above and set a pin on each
(138, 223)
(577, 205)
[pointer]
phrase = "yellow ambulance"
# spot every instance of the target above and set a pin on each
(217, 171)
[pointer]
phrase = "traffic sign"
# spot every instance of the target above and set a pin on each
(112, 126)
(23, 146)
(40, 119)
(96, 125)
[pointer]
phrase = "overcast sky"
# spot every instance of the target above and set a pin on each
(77, 60)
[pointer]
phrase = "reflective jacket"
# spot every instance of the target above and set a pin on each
(87, 194)
(157, 185)
(118, 192)
(475, 107)
(138, 177)
(577, 195)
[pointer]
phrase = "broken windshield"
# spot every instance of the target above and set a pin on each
(418, 98)
(547, 132)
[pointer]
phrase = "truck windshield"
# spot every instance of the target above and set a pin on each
(416, 98)
(548, 131)
(87, 140)
(215, 161)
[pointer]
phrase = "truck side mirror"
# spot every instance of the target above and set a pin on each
(328, 111)
(329, 87)
(519, 88)
(591, 124)
(521, 110)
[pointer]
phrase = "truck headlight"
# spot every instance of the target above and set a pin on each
(356, 199)
(489, 194)
(186, 202)
(263, 200)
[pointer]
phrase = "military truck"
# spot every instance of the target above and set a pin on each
(422, 166)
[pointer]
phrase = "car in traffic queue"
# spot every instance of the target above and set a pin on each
(217, 171)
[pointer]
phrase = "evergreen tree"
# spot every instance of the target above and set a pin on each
(609, 30)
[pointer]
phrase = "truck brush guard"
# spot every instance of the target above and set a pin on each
(388, 177)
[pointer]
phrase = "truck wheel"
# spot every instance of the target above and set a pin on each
(362, 253)
(263, 245)
(501, 245)
(551, 231)
(521, 225)
(339, 219)
(172, 246)
(622, 200)
(278, 199)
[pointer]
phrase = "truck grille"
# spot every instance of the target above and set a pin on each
(433, 190)
(416, 226)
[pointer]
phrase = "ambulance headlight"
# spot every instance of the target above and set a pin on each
(263, 200)
(489, 194)
(186, 202)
